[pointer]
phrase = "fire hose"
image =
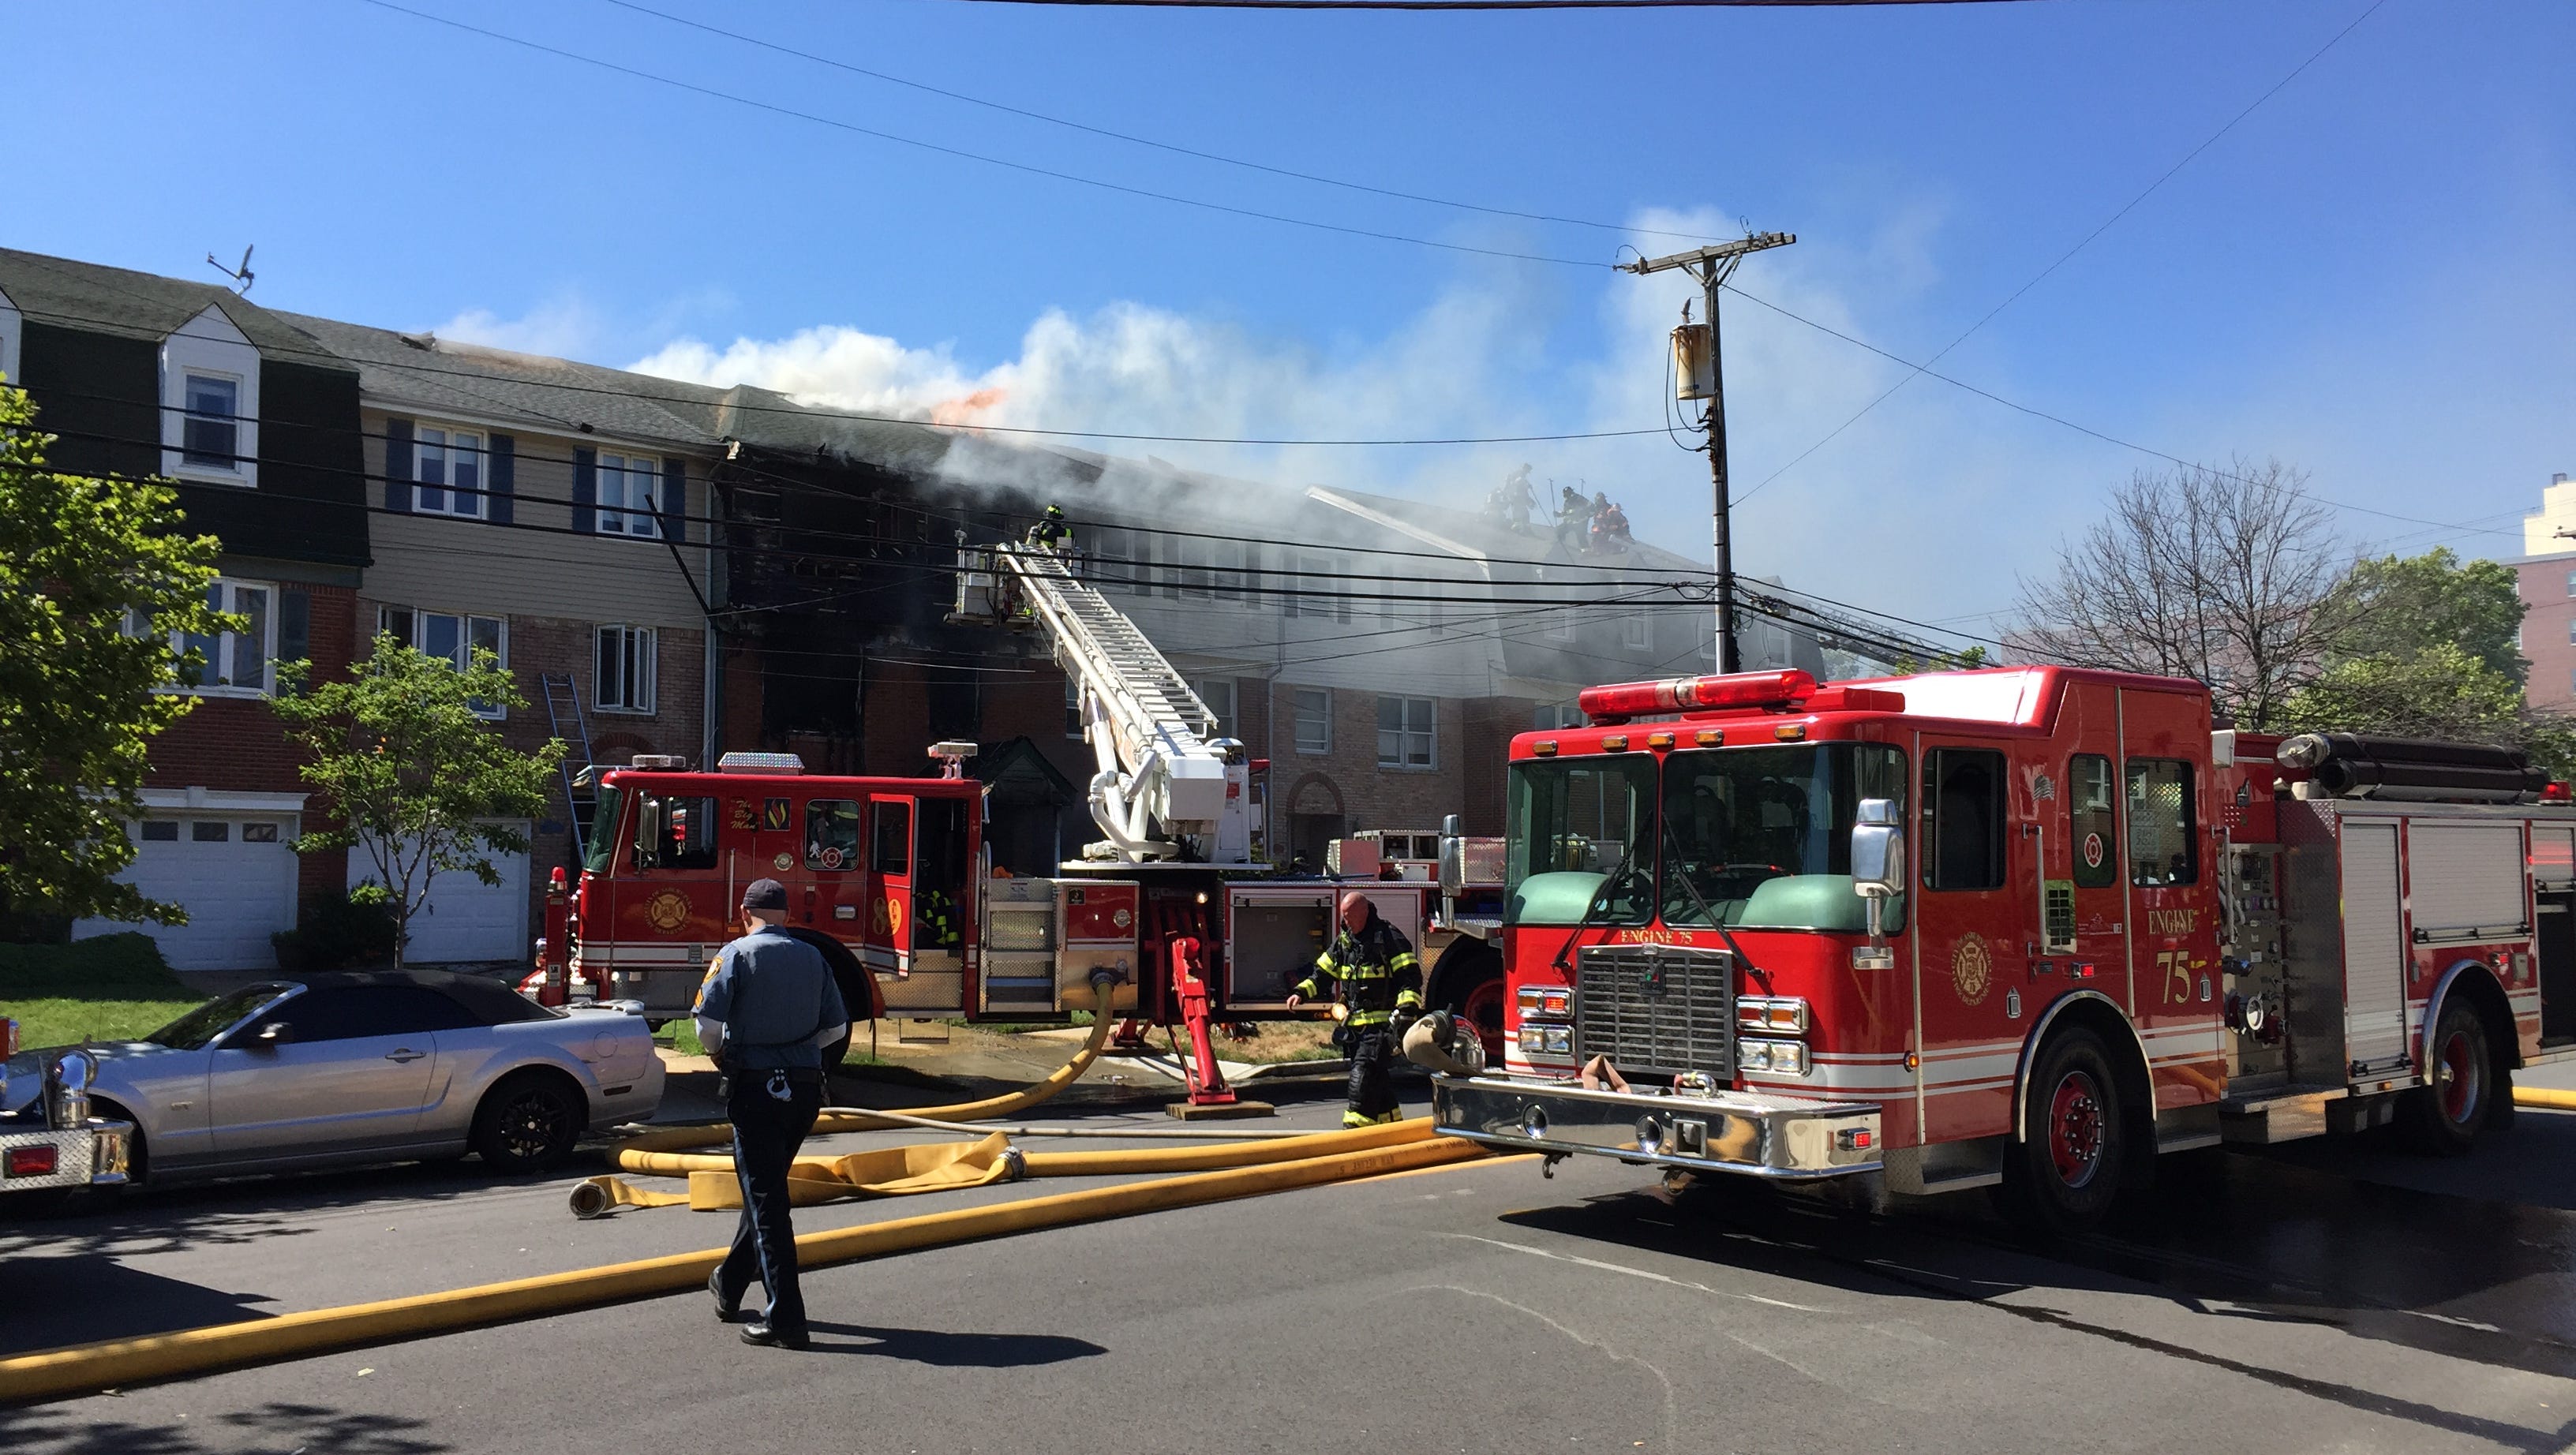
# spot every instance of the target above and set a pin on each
(117, 1363)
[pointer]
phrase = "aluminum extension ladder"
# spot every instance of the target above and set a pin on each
(563, 704)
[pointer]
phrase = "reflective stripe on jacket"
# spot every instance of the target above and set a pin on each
(1373, 971)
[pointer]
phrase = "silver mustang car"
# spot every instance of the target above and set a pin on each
(353, 1067)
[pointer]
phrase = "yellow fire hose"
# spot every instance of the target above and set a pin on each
(935, 1167)
(713, 1133)
(2542, 1096)
(116, 1363)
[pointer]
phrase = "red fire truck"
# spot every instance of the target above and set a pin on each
(2020, 928)
(894, 870)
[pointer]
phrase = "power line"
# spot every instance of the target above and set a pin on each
(1143, 141)
(1926, 370)
(979, 157)
(2080, 245)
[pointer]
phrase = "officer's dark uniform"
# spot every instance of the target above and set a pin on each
(775, 1006)
(1374, 972)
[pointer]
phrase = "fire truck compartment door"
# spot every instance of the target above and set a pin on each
(1019, 946)
(2375, 953)
(1273, 932)
(1096, 927)
(2466, 881)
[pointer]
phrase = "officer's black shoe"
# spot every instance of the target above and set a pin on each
(759, 1332)
(728, 1310)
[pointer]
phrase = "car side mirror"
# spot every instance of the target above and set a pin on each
(274, 1035)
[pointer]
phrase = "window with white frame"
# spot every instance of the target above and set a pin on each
(1637, 632)
(448, 472)
(1312, 710)
(630, 494)
(2571, 583)
(1233, 570)
(1114, 566)
(1072, 708)
(1560, 623)
(231, 663)
(452, 637)
(1322, 575)
(1185, 575)
(1218, 694)
(210, 431)
(210, 402)
(1555, 715)
(1404, 732)
(625, 669)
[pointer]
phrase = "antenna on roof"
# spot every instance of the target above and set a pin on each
(241, 276)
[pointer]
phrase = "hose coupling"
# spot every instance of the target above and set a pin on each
(590, 1198)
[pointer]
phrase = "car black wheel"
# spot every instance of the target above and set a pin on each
(528, 1123)
(2064, 1175)
(2443, 1117)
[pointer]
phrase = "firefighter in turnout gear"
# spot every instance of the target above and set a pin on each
(1050, 531)
(1375, 978)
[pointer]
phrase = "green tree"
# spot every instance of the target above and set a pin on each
(415, 775)
(2397, 606)
(80, 694)
(2438, 691)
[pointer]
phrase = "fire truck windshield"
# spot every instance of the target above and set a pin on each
(1763, 834)
(1571, 821)
(603, 832)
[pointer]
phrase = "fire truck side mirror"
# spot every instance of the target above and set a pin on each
(1878, 850)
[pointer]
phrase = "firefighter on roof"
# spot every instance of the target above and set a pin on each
(1375, 977)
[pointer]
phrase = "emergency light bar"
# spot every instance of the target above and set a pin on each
(760, 763)
(1624, 700)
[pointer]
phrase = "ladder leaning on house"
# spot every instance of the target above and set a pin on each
(563, 706)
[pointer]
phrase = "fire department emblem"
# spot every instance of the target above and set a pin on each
(2092, 851)
(1972, 968)
(784, 862)
(667, 911)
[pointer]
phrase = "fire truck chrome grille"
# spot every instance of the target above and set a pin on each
(1663, 1009)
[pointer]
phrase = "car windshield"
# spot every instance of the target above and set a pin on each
(199, 1027)
(1761, 836)
(1572, 822)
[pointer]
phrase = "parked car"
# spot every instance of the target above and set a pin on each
(354, 1067)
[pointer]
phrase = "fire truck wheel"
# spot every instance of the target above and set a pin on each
(529, 1122)
(2065, 1174)
(2444, 1119)
(1470, 980)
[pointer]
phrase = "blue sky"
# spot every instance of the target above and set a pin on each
(2373, 276)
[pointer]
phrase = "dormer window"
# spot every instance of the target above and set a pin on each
(10, 328)
(210, 434)
(210, 402)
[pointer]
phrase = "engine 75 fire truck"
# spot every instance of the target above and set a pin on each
(1169, 900)
(2019, 927)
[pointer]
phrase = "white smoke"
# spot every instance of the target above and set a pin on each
(1907, 509)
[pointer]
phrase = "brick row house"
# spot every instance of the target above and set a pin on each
(672, 569)
(144, 376)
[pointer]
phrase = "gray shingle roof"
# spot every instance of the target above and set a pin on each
(128, 304)
(433, 374)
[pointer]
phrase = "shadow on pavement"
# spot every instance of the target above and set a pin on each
(58, 1301)
(58, 1430)
(958, 1351)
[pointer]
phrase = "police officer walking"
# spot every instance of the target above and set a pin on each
(1374, 975)
(765, 1013)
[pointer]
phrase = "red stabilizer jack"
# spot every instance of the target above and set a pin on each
(1207, 1083)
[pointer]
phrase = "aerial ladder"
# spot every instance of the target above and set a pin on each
(1168, 788)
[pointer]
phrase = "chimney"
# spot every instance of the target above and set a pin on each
(2558, 479)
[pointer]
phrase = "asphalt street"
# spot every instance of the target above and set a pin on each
(2330, 1296)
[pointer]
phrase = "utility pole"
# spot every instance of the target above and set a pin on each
(1712, 266)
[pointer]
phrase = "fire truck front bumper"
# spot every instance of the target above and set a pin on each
(1751, 1133)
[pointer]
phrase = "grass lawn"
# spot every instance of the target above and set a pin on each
(112, 988)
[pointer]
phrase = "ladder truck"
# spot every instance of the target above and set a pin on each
(890, 874)
(2020, 928)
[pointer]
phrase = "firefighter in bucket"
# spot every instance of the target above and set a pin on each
(1375, 979)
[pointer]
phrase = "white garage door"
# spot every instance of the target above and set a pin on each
(235, 874)
(464, 918)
